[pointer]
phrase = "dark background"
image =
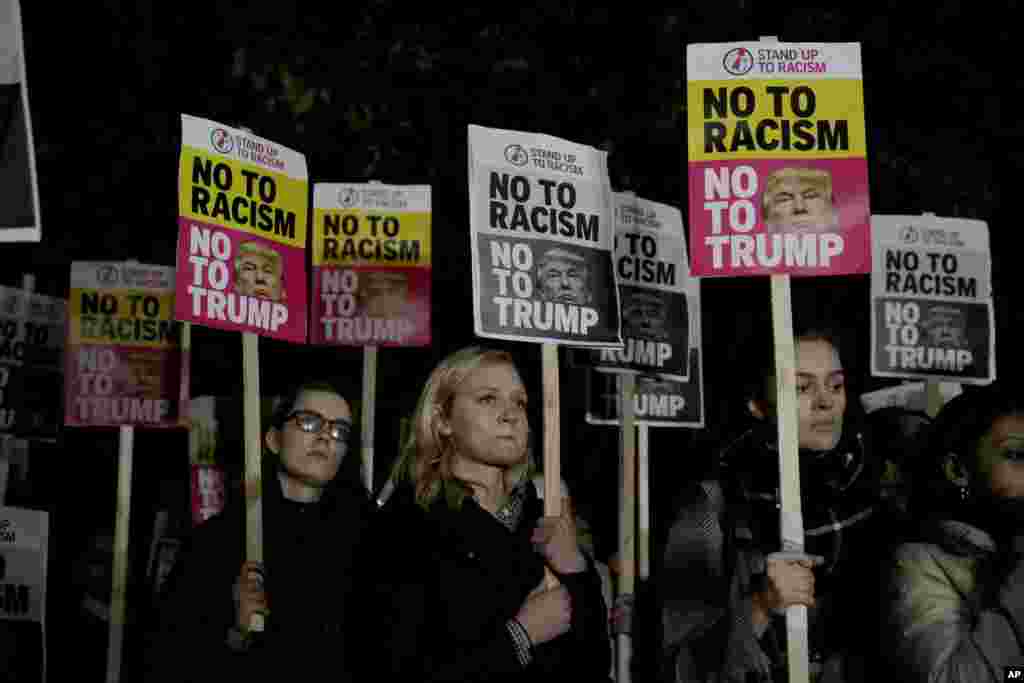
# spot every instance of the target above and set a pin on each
(377, 90)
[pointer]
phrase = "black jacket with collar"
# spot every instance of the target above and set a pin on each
(309, 553)
(446, 585)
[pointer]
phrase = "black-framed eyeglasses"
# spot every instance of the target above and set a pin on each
(313, 423)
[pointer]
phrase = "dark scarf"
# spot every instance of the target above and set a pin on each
(843, 523)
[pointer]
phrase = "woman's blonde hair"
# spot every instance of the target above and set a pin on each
(428, 456)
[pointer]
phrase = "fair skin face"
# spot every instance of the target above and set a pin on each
(488, 425)
(821, 396)
(309, 460)
(798, 205)
(259, 275)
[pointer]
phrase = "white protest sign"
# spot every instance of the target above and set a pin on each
(32, 332)
(931, 299)
(24, 535)
(19, 202)
(23, 539)
(659, 298)
(541, 238)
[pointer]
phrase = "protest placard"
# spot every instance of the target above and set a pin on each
(659, 401)
(19, 201)
(241, 232)
(541, 239)
(931, 299)
(24, 538)
(371, 264)
(659, 298)
(777, 159)
(32, 332)
(124, 364)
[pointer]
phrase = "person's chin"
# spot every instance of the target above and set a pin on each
(320, 476)
(321, 466)
(509, 452)
(820, 442)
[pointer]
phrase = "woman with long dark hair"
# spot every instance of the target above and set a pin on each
(724, 584)
(957, 600)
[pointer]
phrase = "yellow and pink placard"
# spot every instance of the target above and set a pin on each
(241, 232)
(124, 363)
(371, 264)
(778, 179)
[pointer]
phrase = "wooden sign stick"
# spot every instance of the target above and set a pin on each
(368, 412)
(120, 566)
(932, 395)
(552, 440)
(253, 458)
(643, 497)
(369, 404)
(790, 515)
(627, 523)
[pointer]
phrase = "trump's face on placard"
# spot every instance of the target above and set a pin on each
(383, 294)
(799, 200)
(564, 276)
(645, 314)
(945, 327)
(259, 272)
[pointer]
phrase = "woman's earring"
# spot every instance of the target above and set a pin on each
(958, 476)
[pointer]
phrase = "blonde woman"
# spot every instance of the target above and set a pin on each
(458, 585)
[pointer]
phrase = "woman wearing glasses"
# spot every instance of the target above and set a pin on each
(315, 512)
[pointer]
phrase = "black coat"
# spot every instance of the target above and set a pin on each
(309, 552)
(448, 582)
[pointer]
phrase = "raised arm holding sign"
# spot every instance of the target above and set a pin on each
(482, 607)
(314, 515)
(778, 186)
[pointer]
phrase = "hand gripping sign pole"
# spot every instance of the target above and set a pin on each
(627, 527)
(552, 440)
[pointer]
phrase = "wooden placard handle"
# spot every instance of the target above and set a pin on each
(790, 514)
(369, 411)
(552, 440)
(253, 459)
